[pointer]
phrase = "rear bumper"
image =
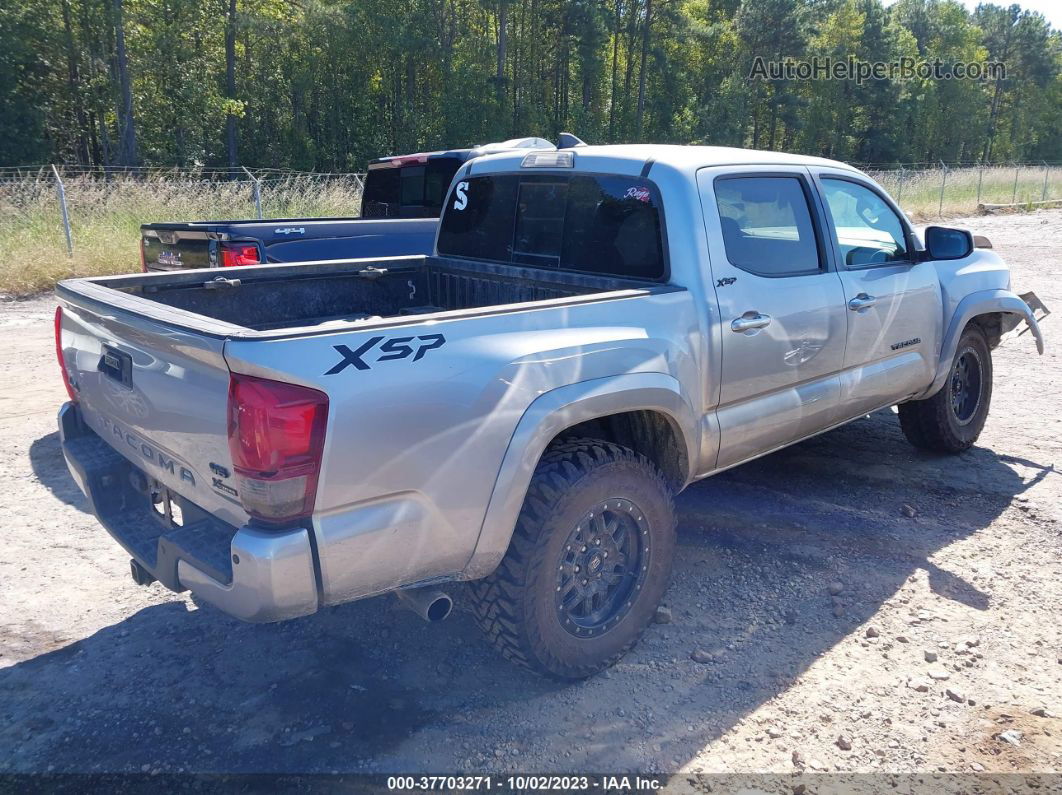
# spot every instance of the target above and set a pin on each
(250, 573)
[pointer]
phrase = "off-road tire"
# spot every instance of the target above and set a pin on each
(932, 424)
(515, 606)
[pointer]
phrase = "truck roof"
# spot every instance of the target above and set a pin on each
(519, 144)
(631, 158)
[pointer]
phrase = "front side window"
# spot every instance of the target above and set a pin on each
(868, 231)
(767, 227)
(592, 224)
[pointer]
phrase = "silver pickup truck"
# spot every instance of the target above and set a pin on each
(597, 328)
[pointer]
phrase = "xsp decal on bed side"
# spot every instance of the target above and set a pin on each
(391, 349)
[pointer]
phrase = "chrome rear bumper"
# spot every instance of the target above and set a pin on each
(251, 573)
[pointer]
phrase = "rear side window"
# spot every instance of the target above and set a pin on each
(606, 225)
(767, 227)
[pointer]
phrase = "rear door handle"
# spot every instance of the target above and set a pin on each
(750, 321)
(861, 302)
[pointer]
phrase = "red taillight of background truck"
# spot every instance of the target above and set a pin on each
(59, 353)
(236, 254)
(276, 438)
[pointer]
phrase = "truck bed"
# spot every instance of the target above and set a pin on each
(334, 293)
(184, 246)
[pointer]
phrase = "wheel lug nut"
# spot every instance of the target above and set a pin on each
(584, 582)
(577, 567)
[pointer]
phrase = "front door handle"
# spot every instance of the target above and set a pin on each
(750, 321)
(861, 302)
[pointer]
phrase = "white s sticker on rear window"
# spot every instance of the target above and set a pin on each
(461, 200)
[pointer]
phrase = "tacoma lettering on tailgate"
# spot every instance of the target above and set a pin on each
(148, 452)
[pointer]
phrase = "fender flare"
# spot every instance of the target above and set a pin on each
(550, 414)
(980, 303)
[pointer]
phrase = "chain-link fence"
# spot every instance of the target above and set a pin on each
(926, 191)
(57, 222)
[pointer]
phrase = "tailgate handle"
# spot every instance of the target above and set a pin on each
(218, 282)
(117, 365)
(372, 273)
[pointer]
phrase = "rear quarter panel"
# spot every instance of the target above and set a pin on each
(414, 447)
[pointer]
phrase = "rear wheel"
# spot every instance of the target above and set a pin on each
(951, 420)
(588, 563)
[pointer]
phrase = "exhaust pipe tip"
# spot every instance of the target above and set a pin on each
(431, 604)
(440, 608)
(141, 576)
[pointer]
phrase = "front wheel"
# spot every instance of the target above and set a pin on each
(588, 563)
(951, 420)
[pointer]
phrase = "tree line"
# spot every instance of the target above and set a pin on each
(328, 84)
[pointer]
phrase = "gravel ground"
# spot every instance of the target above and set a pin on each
(860, 607)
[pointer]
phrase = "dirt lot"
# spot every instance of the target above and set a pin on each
(98, 674)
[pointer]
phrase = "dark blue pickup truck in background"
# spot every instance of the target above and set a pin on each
(401, 203)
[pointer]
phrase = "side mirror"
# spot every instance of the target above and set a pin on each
(943, 242)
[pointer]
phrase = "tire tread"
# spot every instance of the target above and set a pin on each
(926, 423)
(497, 599)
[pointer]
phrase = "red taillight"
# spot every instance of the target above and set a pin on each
(236, 254)
(59, 353)
(143, 257)
(276, 436)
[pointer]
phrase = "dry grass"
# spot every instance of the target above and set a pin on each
(105, 215)
(919, 192)
(105, 218)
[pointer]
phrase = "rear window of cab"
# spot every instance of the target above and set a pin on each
(607, 225)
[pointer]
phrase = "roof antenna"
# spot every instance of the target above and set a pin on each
(568, 141)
